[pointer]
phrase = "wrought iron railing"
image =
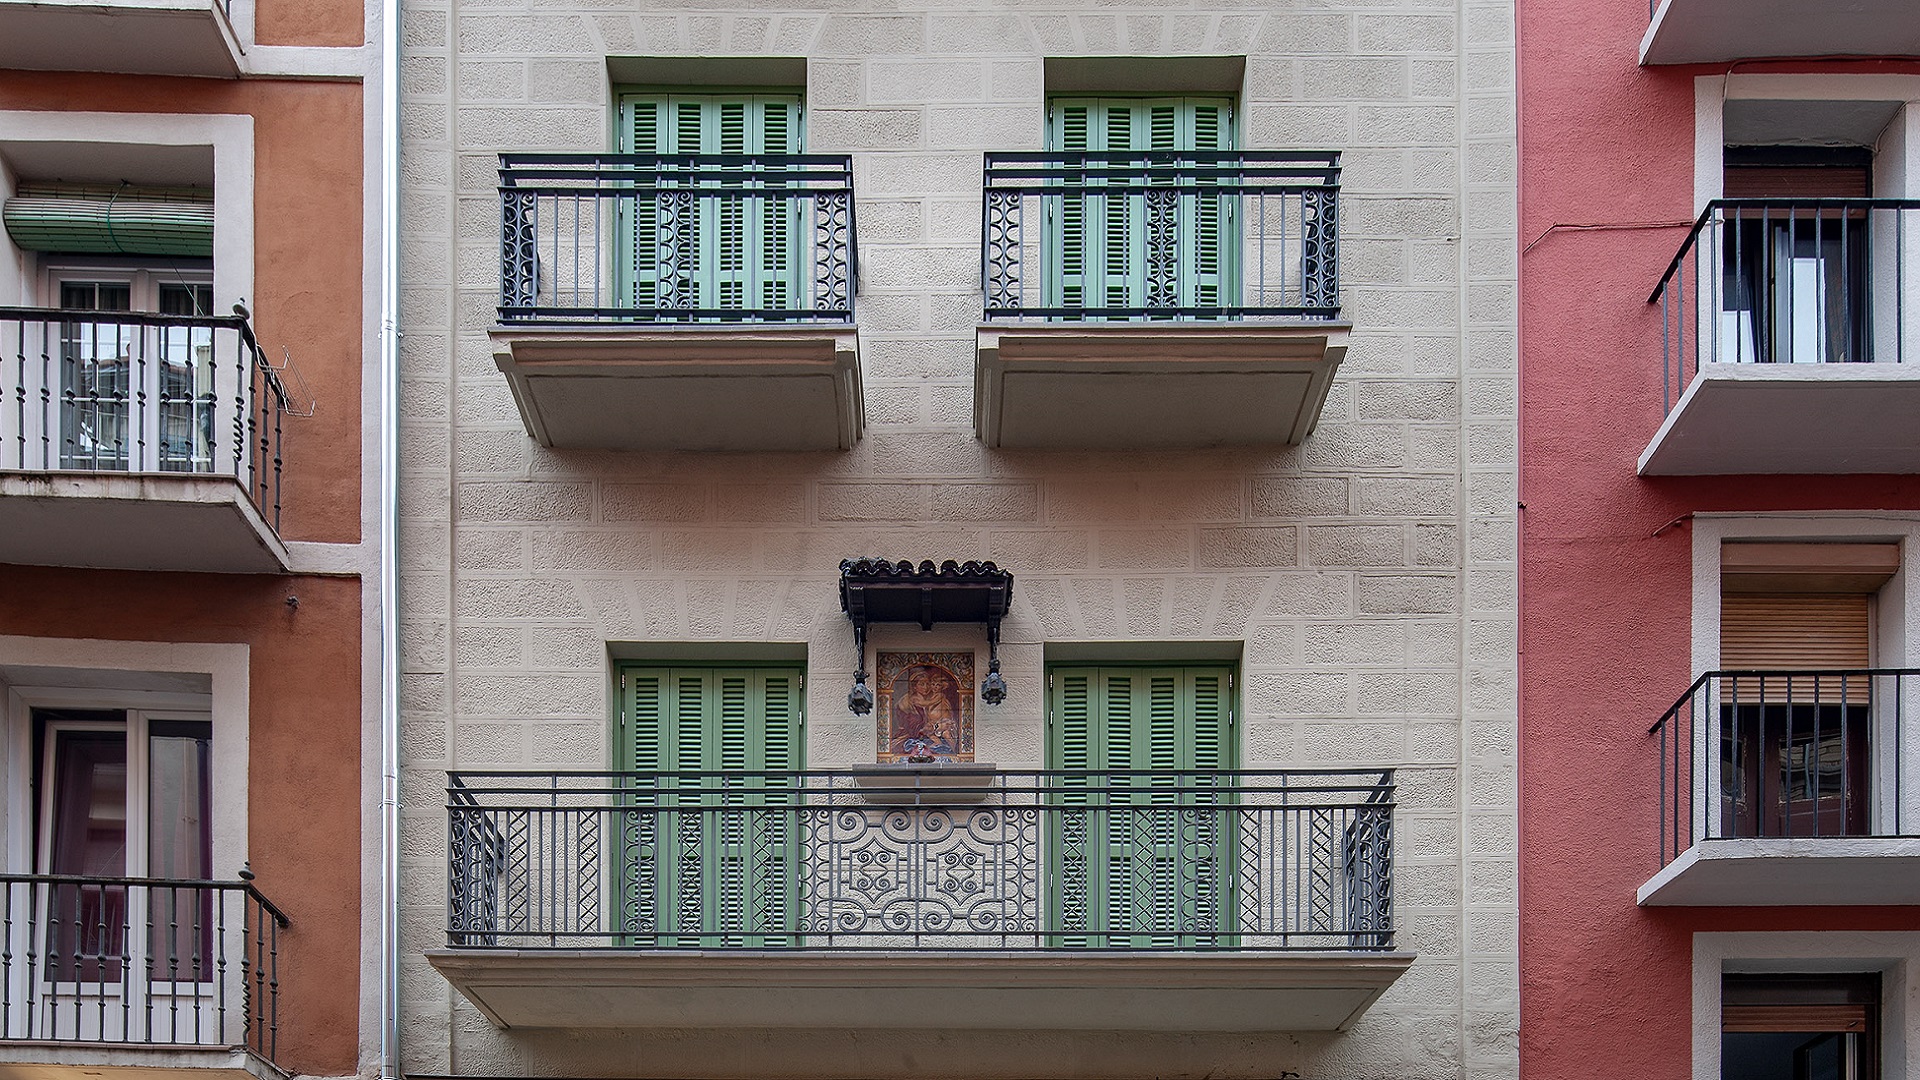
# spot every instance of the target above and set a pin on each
(683, 238)
(1788, 281)
(135, 392)
(877, 859)
(149, 961)
(1748, 754)
(1161, 235)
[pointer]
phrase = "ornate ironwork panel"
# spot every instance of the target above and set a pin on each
(1319, 256)
(1163, 248)
(519, 258)
(833, 251)
(1003, 255)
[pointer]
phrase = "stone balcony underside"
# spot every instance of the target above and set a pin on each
(1140, 991)
(1153, 385)
(142, 37)
(135, 521)
(1714, 31)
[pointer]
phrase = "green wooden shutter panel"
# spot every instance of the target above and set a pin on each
(1099, 251)
(713, 252)
(1125, 863)
(716, 868)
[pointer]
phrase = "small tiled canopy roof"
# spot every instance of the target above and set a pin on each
(885, 590)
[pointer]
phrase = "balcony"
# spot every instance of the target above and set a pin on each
(1786, 341)
(1788, 788)
(685, 302)
(122, 976)
(138, 441)
(1716, 31)
(140, 37)
(868, 899)
(1157, 299)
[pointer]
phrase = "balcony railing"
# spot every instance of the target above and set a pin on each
(686, 238)
(1781, 754)
(851, 859)
(1161, 235)
(139, 961)
(135, 392)
(1788, 281)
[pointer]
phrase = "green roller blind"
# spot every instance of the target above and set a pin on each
(1108, 250)
(716, 865)
(1163, 877)
(725, 248)
(110, 219)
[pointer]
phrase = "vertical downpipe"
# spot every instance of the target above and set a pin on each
(389, 540)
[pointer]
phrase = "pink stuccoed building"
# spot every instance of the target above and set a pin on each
(1720, 368)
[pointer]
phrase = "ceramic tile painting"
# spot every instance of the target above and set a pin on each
(926, 706)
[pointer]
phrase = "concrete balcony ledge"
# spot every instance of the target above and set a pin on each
(698, 387)
(1098, 991)
(38, 1060)
(1825, 871)
(135, 521)
(1714, 31)
(142, 37)
(1145, 385)
(1740, 419)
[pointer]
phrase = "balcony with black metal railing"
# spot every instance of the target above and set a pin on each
(139, 441)
(875, 898)
(1788, 788)
(106, 973)
(689, 301)
(1717, 31)
(139, 37)
(1788, 345)
(1157, 298)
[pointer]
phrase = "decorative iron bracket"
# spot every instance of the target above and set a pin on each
(884, 591)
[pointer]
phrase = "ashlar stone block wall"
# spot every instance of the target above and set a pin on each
(1367, 575)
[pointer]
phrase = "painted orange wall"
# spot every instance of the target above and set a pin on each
(303, 778)
(309, 22)
(308, 210)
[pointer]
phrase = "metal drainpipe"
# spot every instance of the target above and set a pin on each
(389, 540)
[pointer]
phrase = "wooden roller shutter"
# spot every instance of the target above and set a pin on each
(1795, 632)
(1796, 182)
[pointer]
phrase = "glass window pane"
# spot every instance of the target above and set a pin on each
(86, 923)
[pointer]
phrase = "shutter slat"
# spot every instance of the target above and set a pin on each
(1795, 631)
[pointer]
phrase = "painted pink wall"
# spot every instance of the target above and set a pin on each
(1605, 620)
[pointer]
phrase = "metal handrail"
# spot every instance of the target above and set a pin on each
(126, 960)
(1838, 714)
(246, 394)
(566, 256)
(1274, 214)
(1268, 859)
(1728, 296)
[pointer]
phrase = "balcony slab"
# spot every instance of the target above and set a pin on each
(685, 387)
(143, 37)
(1153, 385)
(1827, 871)
(1141, 991)
(135, 521)
(1741, 419)
(1713, 31)
(35, 1060)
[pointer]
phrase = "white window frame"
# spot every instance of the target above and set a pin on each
(1894, 954)
(1889, 640)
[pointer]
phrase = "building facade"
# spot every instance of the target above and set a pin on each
(188, 643)
(958, 542)
(1719, 504)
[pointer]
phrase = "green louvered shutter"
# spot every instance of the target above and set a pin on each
(1143, 857)
(722, 249)
(717, 867)
(1110, 251)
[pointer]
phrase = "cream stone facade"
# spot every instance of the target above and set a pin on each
(1362, 582)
